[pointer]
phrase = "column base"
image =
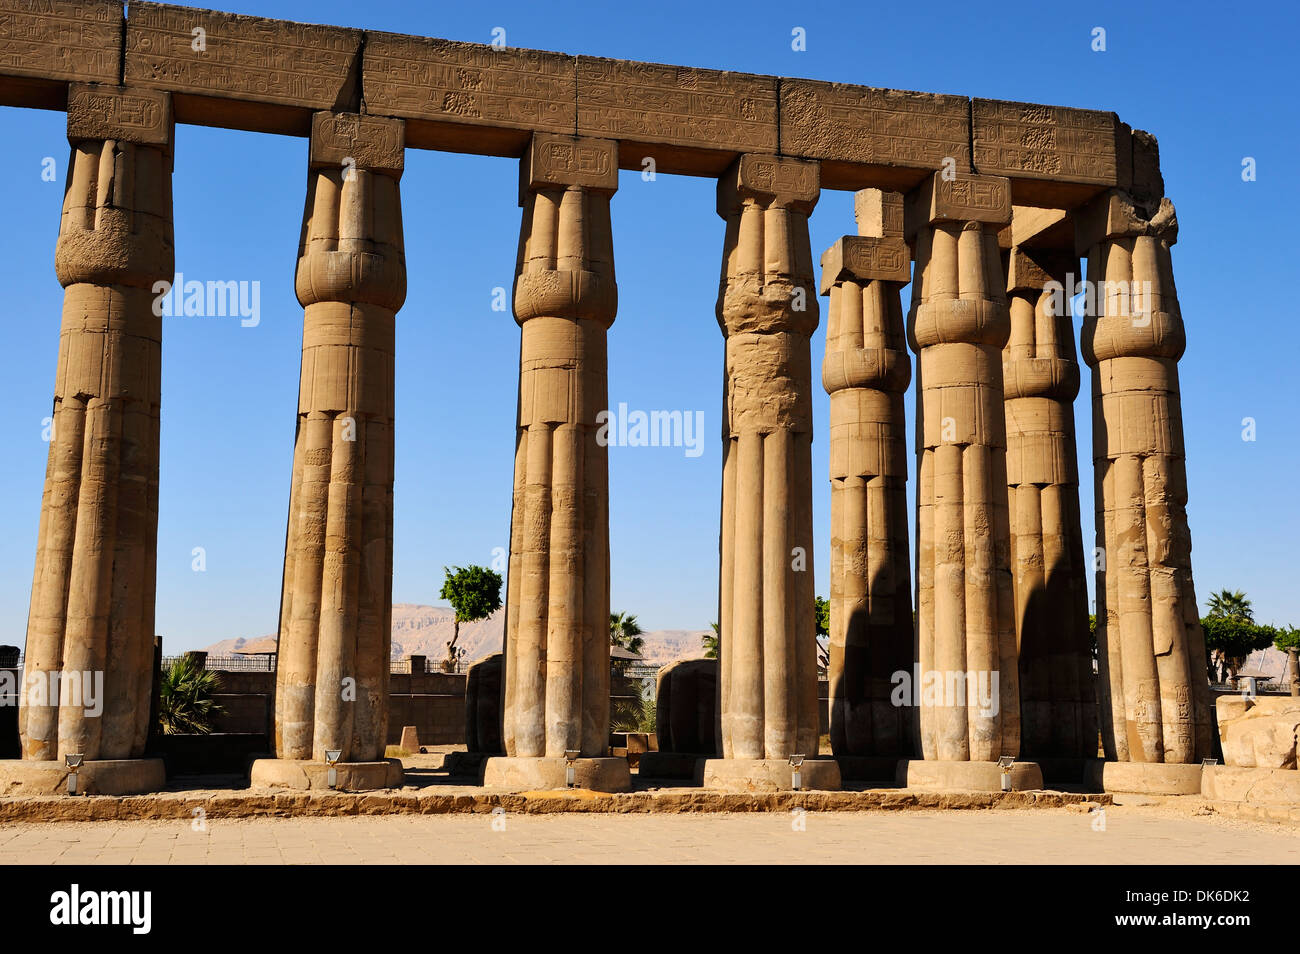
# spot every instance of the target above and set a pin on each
(939, 776)
(101, 777)
(1261, 786)
(769, 775)
(522, 774)
(671, 765)
(304, 774)
(868, 768)
(467, 764)
(1143, 778)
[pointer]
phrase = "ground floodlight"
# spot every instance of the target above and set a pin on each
(1206, 763)
(1005, 764)
(331, 759)
(73, 762)
(796, 777)
(570, 770)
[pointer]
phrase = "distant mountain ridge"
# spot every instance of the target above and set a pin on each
(426, 630)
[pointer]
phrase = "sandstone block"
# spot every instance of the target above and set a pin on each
(47, 43)
(878, 213)
(143, 116)
(768, 775)
(94, 777)
(468, 96)
(1143, 778)
(1259, 732)
(303, 774)
(521, 774)
(241, 71)
(557, 162)
(369, 142)
(699, 115)
(864, 259)
(962, 198)
(944, 776)
(864, 136)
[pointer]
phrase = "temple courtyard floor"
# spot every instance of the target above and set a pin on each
(1133, 830)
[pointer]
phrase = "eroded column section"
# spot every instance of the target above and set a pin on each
(92, 605)
(866, 372)
(335, 616)
(958, 325)
(557, 628)
(1154, 692)
(767, 308)
(1041, 379)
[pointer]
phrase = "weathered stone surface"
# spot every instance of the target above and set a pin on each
(975, 776)
(540, 774)
(483, 706)
(290, 69)
(1258, 786)
(866, 137)
(363, 142)
(1054, 144)
(958, 199)
(649, 106)
(1259, 732)
(743, 775)
(303, 774)
(1143, 778)
(47, 43)
(94, 777)
(557, 162)
(468, 96)
(140, 116)
(410, 739)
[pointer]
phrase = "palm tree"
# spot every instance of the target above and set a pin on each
(711, 643)
(185, 693)
(1231, 604)
(624, 631)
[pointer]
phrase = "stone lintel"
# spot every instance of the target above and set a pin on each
(1116, 214)
(364, 142)
(255, 73)
(125, 114)
(46, 44)
(785, 183)
(879, 213)
(557, 162)
(959, 197)
(864, 258)
(1030, 269)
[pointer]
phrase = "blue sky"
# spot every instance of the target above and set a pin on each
(1215, 85)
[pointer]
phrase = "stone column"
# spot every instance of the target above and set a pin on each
(968, 680)
(1041, 379)
(1154, 698)
(767, 308)
(866, 372)
(336, 606)
(92, 604)
(556, 697)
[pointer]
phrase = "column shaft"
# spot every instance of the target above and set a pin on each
(866, 372)
(767, 312)
(958, 324)
(336, 608)
(92, 605)
(1154, 694)
(557, 626)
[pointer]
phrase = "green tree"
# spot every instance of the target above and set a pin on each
(626, 632)
(185, 705)
(1235, 638)
(711, 642)
(1231, 604)
(474, 592)
(823, 629)
(1288, 637)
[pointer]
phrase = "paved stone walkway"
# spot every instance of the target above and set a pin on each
(1134, 834)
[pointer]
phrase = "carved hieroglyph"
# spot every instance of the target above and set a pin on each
(335, 613)
(1040, 380)
(1155, 704)
(92, 608)
(957, 326)
(866, 372)
(767, 308)
(557, 615)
